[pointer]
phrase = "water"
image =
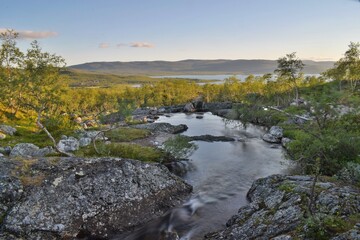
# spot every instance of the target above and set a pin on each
(222, 77)
(223, 173)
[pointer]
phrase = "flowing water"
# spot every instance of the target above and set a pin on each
(222, 172)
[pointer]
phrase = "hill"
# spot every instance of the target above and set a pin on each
(195, 67)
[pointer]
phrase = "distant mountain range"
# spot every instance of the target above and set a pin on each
(195, 67)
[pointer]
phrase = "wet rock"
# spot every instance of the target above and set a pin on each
(274, 135)
(279, 207)
(189, 107)
(7, 130)
(162, 127)
(29, 150)
(276, 131)
(89, 197)
(222, 112)
(68, 144)
(270, 138)
(180, 168)
(211, 138)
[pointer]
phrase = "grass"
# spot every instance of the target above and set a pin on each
(126, 134)
(30, 134)
(26, 174)
(123, 150)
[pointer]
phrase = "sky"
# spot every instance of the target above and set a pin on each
(145, 30)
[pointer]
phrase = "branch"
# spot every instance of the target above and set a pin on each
(42, 127)
(291, 115)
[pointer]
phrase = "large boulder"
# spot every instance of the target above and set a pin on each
(279, 209)
(189, 107)
(274, 135)
(29, 150)
(91, 197)
(68, 144)
(7, 130)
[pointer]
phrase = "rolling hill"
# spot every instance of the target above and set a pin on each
(195, 67)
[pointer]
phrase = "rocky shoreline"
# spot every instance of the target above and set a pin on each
(279, 209)
(71, 198)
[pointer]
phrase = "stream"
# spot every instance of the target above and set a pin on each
(221, 172)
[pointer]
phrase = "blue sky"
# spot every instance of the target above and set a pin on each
(137, 30)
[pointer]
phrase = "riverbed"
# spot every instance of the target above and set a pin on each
(222, 172)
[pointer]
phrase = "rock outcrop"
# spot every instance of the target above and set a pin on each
(77, 197)
(280, 209)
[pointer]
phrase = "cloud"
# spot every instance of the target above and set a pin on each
(27, 34)
(121, 45)
(104, 45)
(142, 45)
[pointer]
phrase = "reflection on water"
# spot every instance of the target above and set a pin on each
(224, 171)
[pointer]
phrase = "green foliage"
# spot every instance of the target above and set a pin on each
(59, 122)
(347, 69)
(179, 147)
(252, 113)
(289, 69)
(287, 187)
(123, 150)
(325, 226)
(126, 134)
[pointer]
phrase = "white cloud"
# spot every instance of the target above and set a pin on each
(121, 45)
(104, 45)
(142, 45)
(27, 34)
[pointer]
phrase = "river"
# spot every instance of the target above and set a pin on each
(224, 171)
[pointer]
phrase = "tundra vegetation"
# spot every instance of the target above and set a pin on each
(42, 98)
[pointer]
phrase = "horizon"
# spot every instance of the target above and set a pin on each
(85, 31)
(220, 59)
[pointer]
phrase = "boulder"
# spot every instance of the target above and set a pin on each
(83, 142)
(7, 130)
(29, 150)
(68, 144)
(276, 131)
(279, 209)
(189, 107)
(5, 150)
(93, 197)
(274, 135)
(162, 127)
(270, 138)
(285, 141)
